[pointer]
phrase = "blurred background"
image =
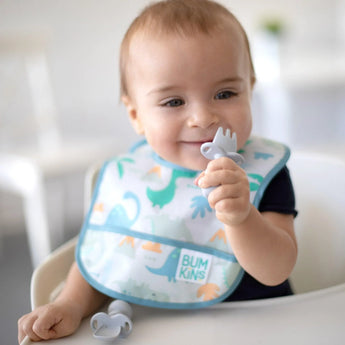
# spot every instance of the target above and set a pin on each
(60, 110)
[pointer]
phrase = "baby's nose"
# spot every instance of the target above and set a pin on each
(202, 117)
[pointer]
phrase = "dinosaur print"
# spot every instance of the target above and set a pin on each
(219, 240)
(156, 170)
(99, 207)
(119, 163)
(209, 291)
(200, 205)
(153, 175)
(254, 186)
(169, 267)
(152, 247)
(166, 195)
(128, 240)
(118, 215)
(220, 234)
(262, 155)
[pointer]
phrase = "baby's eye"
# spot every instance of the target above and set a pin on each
(225, 94)
(175, 102)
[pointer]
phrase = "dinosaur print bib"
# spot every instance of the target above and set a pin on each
(150, 236)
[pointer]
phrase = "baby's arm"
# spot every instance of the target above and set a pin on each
(264, 243)
(63, 316)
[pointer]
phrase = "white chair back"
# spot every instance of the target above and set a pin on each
(319, 183)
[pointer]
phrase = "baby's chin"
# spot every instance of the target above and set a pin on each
(197, 164)
(190, 158)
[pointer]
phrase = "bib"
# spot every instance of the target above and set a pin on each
(150, 236)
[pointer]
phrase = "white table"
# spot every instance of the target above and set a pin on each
(312, 318)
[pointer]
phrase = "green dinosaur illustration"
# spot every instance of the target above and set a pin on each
(254, 186)
(166, 195)
(120, 161)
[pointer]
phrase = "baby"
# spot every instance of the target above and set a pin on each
(186, 70)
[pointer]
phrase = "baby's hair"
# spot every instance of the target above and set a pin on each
(182, 17)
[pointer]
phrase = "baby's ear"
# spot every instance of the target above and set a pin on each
(133, 114)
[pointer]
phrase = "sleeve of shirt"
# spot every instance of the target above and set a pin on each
(279, 195)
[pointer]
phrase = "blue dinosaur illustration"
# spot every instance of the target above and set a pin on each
(262, 155)
(166, 195)
(169, 267)
(201, 205)
(118, 215)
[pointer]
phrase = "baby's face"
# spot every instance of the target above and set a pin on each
(182, 89)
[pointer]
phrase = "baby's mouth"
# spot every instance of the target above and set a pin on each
(195, 143)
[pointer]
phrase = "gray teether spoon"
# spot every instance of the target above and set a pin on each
(221, 146)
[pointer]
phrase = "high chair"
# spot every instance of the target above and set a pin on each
(314, 315)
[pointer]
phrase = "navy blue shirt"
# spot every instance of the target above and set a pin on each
(278, 197)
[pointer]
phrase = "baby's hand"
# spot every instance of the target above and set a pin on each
(230, 198)
(49, 321)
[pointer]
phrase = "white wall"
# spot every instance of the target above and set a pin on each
(82, 46)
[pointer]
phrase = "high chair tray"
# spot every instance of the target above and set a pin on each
(310, 318)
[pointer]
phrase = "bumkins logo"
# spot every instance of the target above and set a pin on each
(193, 266)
